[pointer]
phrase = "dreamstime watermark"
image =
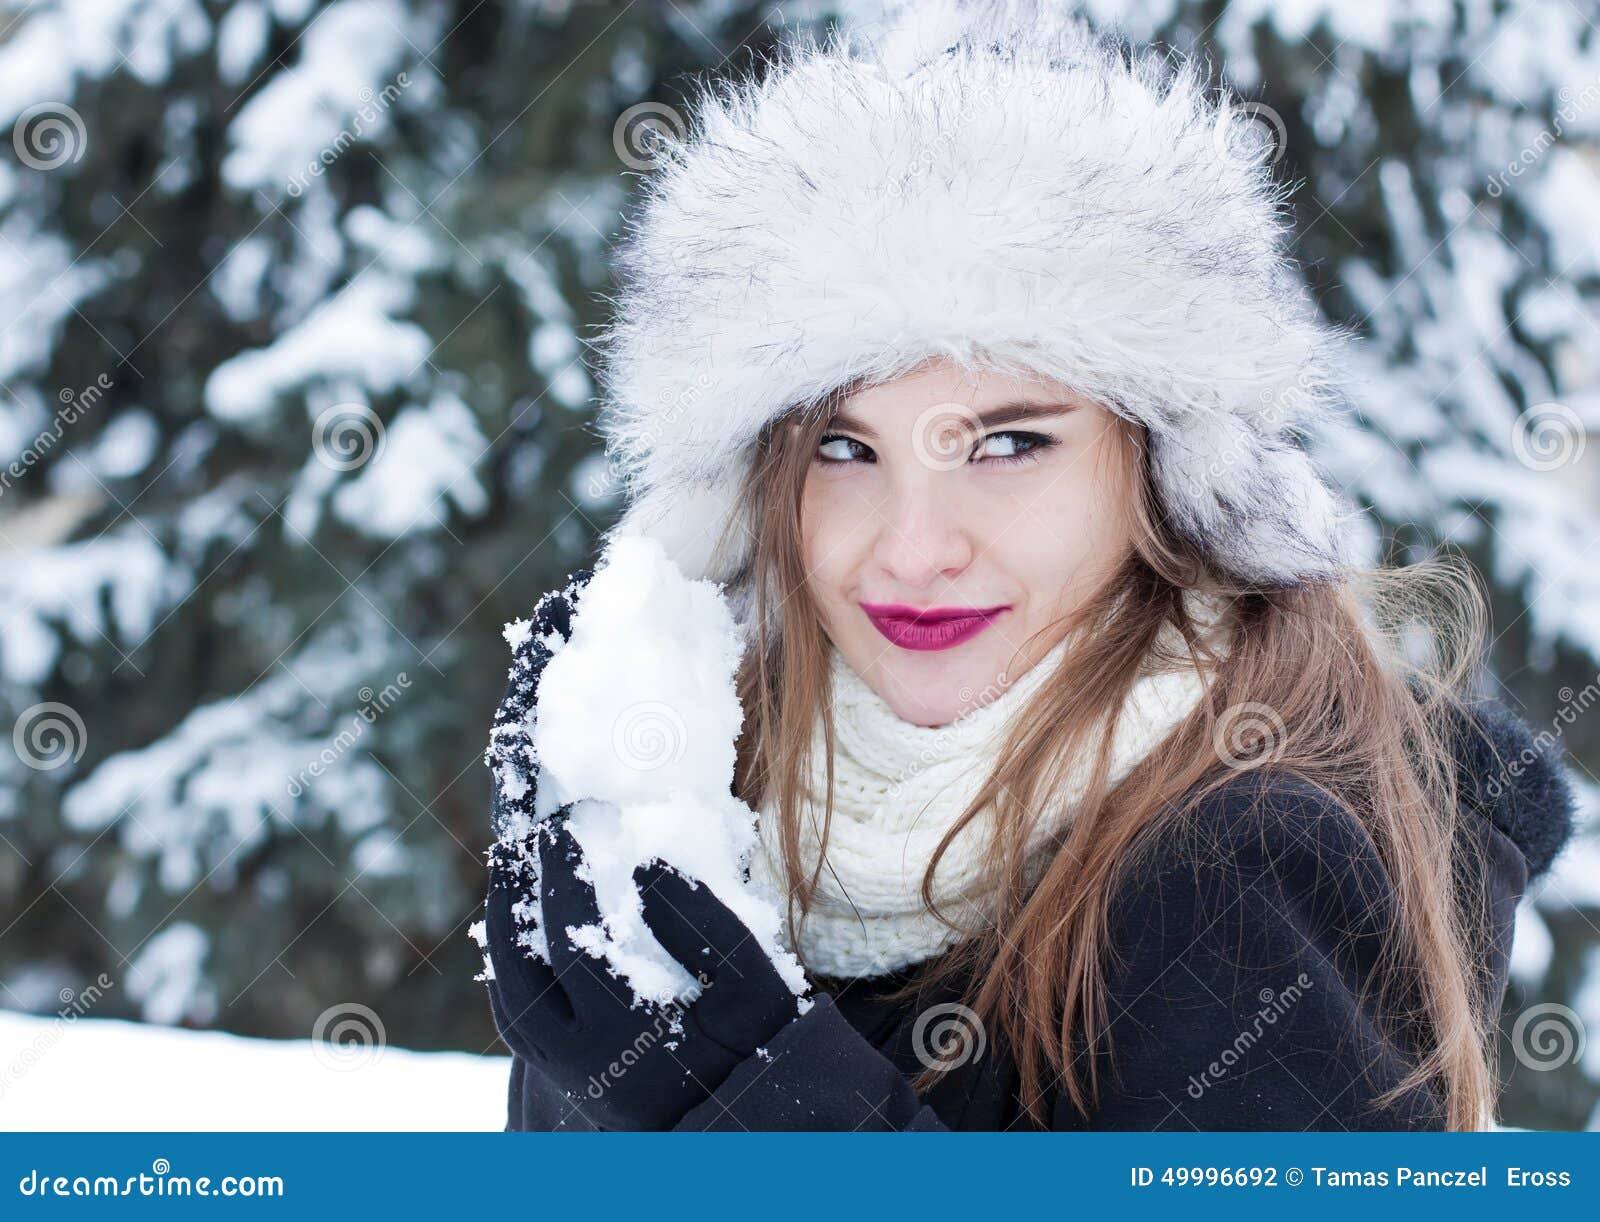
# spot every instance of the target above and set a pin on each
(649, 734)
(74, 404)
(1278, 407)
(643, 133)
(346, 436)
(1547, 436)
(936, 152)
(606, 480)
(1274, 1004)
(49, 735)
(1244, 130)
(1574, 704)
(157, 1182)
(348, 1036)
(1547, 1036)
(668, 1022)
(374, 704)
(374, 104)
(74, 1005)
(1574, 104)
(935, 746)
(49, 135)
(942, 435)
(1248, 735)
(662, 423)
(948, 1036)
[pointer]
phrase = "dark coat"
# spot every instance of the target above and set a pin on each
(1248, 939)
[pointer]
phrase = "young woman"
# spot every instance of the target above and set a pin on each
(1101, 786)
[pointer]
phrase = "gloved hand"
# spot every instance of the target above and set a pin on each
(627, 1066)
(514, 769)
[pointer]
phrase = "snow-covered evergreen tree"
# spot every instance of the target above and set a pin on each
(292, 382)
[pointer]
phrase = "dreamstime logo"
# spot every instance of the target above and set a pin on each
(1245, 129)
(346, 435)
(1274, 1004)
(649, 735)
(74, 1005)
(1547, 1036)
(941, 436)
(373, 705)
(348, 1036)
(1547, 436)
(1573, 105)
(1248, 735)
(49, 135)
(936, 746)
(643, 133)
(49, 735)
(74, 404)
(157, 1182)
(1573, 706)
(372, 107)
(948, 1036)
(937, 151)
(668, 1021)
(669, 409)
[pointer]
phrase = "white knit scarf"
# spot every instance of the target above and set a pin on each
(898, 788)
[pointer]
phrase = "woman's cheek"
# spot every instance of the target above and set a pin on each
(836, 499)
(1049, 496)
(822, 524)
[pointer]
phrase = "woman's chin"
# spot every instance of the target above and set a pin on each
(933, 689)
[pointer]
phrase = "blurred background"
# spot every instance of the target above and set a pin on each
(295, 415)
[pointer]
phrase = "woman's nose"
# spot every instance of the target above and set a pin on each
(920, 534)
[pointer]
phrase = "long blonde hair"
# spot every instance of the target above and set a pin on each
(1351, 712)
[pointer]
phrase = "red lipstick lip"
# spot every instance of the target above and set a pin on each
(930, 629)
(923, 615)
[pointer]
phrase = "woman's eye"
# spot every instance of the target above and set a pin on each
(1016, 446)
(841, 449)
(1003, 447)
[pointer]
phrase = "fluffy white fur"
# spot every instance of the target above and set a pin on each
(991, 183)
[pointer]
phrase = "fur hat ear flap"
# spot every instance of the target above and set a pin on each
(1256, 507)
(1252, 501)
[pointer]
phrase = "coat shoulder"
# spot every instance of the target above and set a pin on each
(1257, 878)
(1249, 985)
(1266, 831)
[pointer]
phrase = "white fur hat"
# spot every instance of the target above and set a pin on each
(991, 183)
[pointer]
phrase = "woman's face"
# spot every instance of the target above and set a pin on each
(952, 491)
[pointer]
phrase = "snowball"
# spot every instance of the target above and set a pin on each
(640, 701)
(635, 726)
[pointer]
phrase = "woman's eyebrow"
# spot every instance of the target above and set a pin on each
(989, 417)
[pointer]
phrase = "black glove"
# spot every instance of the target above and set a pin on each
(510, 745)
(621, 1065)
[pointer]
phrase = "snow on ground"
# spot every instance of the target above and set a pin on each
(104, 1074)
